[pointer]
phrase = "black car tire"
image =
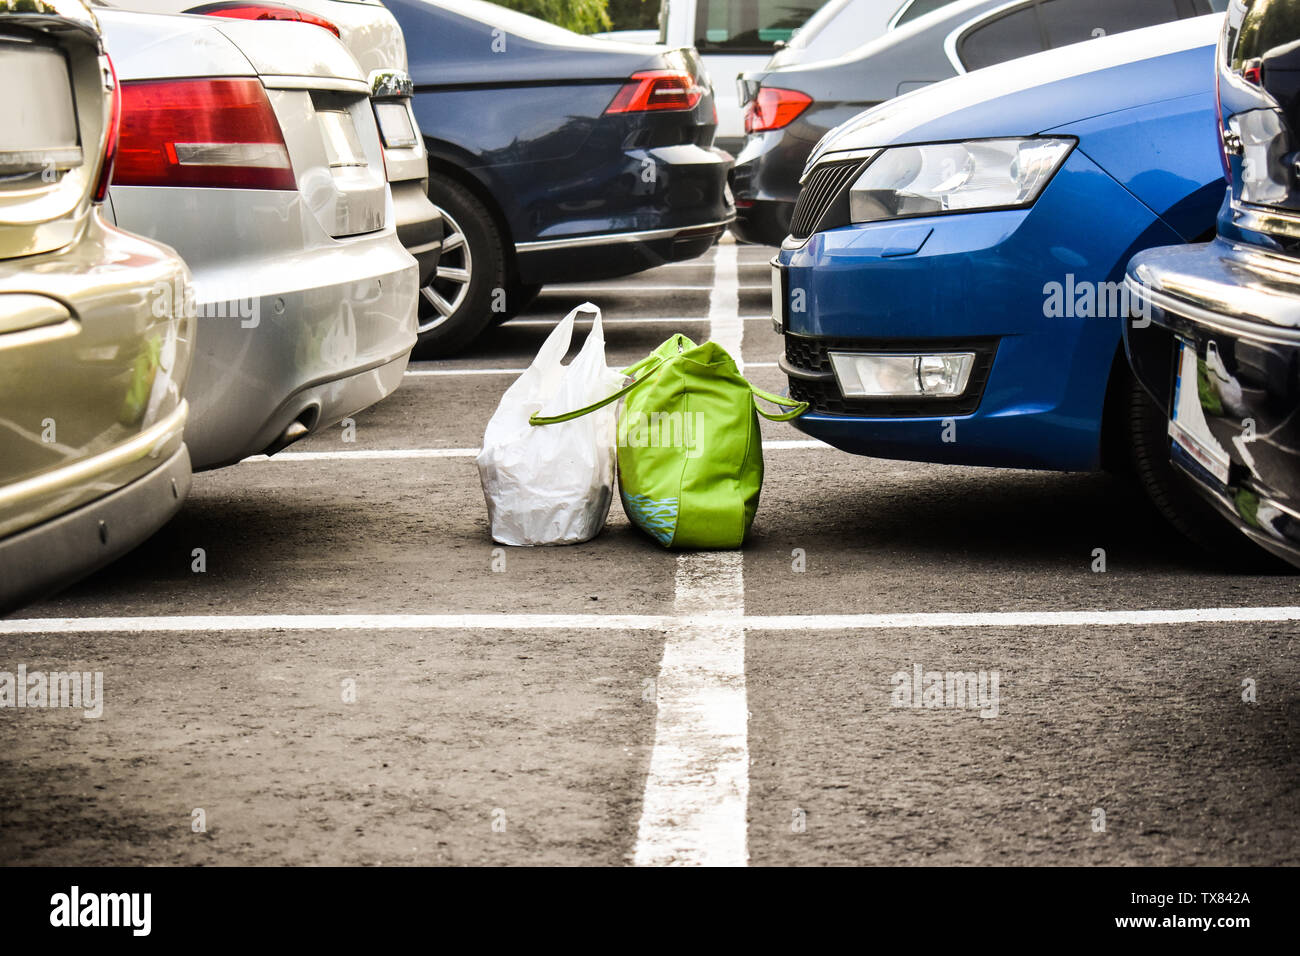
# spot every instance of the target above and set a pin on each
(456, 306)
(1171, 492)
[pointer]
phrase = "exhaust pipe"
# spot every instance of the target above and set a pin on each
(294, 431)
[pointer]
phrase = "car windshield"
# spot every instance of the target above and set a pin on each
(748, 26)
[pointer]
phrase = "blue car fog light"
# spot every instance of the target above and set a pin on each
(899, 375)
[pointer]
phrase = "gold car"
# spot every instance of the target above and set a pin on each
(95, 336)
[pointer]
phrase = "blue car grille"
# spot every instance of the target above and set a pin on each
(823, 194)
(812, 380)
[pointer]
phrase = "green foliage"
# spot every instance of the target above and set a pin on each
(634, 14)
(580, 16)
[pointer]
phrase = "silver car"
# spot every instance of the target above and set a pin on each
(252, 149)
(93, 352)
(373, 36)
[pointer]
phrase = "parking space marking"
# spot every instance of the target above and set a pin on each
(363, 454)
(680, 621)
(603, 289)
(694, 811)
(517, 371)
(650, 320)
(725, 325)
(696, 797)
(290, 457)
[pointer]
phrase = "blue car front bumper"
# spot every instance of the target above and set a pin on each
(1009, 285)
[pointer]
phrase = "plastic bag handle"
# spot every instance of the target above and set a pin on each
(536, 419)
(796, 408)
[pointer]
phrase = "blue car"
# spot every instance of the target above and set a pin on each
(953, 286)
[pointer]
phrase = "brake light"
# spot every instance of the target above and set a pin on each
(262, 11)
(654, 90)
(209, 132)
(773, 108)
(110, 137)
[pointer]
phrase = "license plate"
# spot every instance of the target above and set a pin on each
(342, 145)
(395, 125)
(1193, 442)
(778, 299)
(38, 119)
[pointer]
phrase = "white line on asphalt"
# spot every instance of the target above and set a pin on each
(696, 797)
(604, 289)
(361, 454)
(651, 320)
(696, 800)
(517, 371)
(463, 371)
(725, 325)
(364, 454)
(704, 264)
(646, 622)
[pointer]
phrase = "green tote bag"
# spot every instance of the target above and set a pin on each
(690, 458)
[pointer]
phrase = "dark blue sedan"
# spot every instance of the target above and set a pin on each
(554, 157)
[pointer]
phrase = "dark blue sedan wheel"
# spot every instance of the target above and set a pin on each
(457, 304)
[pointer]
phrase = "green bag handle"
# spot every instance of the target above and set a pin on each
(796, 408)
(651, 364)
(609, 399)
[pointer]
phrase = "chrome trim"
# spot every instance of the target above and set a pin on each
(1273, 221)
(842, 156)
(605, 238)
(1253, 329)
(338, 83)
(390, 83)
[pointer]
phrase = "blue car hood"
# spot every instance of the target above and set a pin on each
(1044, 91)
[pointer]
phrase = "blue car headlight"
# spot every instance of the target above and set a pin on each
(955, 177)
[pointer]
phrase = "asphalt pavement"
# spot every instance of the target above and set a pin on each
(325, 659)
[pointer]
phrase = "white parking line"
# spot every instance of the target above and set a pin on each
(517, 371)
(697, 790)
(604, 289)
(651, 320)
(695, 807)
(363, 454)
(372, 454)
(201, 623)
(725, 325)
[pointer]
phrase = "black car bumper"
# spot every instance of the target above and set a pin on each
(766, 184)
(1239, 310)
(669, 204)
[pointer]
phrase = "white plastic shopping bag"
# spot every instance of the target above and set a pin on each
(552, 484)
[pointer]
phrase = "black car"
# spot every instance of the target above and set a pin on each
(789, 108)
(1215, 336)
(554, 157)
